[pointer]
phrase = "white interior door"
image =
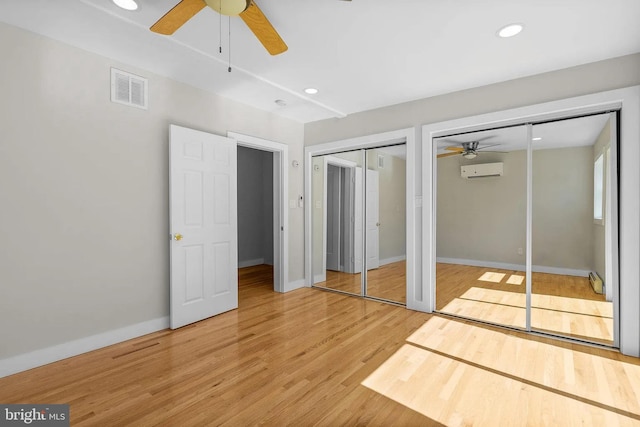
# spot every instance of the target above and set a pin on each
(373, 220)
(203, 216)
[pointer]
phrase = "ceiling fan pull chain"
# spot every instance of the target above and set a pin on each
(229, 52)
(220, 33)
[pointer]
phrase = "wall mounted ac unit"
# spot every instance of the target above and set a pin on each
(482, 170)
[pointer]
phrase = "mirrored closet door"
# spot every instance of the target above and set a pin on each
(481, 200)
(359, 222)
(574, 227)
(338, 222)
(386, 223)
(526, 227)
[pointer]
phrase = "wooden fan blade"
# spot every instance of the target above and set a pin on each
(447, 154)
(177, 16)
(487, 146)
(454, 148)
(263, 30)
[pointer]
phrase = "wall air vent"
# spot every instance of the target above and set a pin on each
(129, 89)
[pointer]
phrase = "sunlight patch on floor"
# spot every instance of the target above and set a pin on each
(583, 319)
(515, 279)
(461, 374)
(490, 276)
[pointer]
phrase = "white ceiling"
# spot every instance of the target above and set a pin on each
(361, 54)
(568, 133)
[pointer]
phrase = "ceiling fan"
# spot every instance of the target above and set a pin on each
(246, 9)
(468, 150)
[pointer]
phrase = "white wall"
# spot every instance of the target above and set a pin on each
(84, 191)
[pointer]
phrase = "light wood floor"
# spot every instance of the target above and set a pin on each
(563, 305)
(309, 357)
(388, 282)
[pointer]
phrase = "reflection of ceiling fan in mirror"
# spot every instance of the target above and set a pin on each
(246, 9)
(468, 150)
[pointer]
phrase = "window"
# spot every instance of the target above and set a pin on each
(598, 189)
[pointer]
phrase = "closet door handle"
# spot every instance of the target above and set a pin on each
(177, 236)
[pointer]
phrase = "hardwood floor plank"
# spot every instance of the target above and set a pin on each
(310, 357)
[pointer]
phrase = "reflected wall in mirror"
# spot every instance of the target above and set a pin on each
(481, 202)
(573, 231)
(386, 223)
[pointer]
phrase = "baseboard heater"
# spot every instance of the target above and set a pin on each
(596, 282)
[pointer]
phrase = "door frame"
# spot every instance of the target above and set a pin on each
(280, 195)
(627, 100)
(406, 136)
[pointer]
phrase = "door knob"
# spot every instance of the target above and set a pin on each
(377, 224)
(177, 236)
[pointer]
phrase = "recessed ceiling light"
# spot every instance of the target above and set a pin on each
(311, 90)
(510, 30)
(537, 139)
(126, 4)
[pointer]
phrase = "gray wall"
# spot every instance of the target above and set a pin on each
(255, 207)
(84, 191)
(485, 219)
(482, 219)
(562, 223)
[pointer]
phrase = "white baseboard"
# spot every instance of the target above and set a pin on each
(393, 259)
(518, 267)
(250, 262)
(296, 284)
(33, 359)
(319, 278)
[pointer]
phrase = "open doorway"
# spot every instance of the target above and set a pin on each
(262, 213)
(255, 217)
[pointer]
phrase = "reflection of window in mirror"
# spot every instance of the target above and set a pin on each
(598, 189)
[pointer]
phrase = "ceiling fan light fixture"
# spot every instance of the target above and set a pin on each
(510, 30)
(469, 155)
(228, 7)
(126, 4)
(311, 90)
